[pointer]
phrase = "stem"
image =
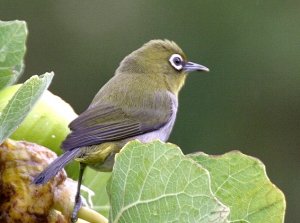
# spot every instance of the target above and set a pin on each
(86, 215)
(91, 215)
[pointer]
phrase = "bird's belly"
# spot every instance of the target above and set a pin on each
(161, 134)
(101, 157)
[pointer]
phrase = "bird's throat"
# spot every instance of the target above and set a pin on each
(175, 84)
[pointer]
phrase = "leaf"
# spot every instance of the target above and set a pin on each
(21, 103)
(240, 182)
(13, 36)
(155, 182)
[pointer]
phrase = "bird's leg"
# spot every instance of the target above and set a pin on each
(78, 201)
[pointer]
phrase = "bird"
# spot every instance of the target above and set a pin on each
(139, 102)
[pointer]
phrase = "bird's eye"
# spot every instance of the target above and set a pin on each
(176, 61)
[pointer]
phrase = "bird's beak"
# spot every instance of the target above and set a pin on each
(190, 66)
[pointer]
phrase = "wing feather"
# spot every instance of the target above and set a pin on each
(104, 122)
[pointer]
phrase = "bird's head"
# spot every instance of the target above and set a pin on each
(162, 60)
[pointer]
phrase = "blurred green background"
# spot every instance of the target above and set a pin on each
(250, 99)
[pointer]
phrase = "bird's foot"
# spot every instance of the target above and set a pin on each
(77, 206)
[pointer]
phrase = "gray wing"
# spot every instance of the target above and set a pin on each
(104, 123)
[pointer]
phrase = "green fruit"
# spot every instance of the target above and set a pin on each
(46, 124)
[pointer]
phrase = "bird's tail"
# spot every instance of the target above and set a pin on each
(56, 166)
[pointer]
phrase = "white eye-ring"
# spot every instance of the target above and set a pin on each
(176, 61)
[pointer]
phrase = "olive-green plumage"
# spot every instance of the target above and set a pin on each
(139, 102)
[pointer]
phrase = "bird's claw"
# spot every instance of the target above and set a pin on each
(77, 206)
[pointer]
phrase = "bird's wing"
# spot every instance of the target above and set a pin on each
(104, 122)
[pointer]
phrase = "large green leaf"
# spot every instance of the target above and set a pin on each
(12, 49)
(155, 182)
(50, 113)
(21, 103)
(240, 182)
